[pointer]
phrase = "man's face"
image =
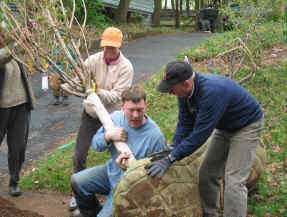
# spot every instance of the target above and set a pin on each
(134, 112)
(111, 52)
(180, 90)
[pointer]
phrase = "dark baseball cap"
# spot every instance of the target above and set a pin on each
(175, 72)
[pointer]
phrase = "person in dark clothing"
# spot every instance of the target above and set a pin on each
(16, 102)
(213, 103)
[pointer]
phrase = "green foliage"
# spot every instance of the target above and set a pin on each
(162, 108)
(55, 170)
(95, 12)
(251, 13)
(270, 33)
(269, 88)
(135, 18)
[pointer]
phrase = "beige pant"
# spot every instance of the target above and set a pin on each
(229, 155)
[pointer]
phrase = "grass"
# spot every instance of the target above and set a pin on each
(268, 86)
(271, 33)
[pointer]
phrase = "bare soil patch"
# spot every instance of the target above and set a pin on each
(8, 209)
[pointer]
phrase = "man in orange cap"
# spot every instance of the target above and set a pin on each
(112, 72)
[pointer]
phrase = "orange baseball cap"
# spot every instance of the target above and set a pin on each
(112, 37)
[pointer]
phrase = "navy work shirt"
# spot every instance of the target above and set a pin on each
(217, 102)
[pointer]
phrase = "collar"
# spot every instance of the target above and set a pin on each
(111, 60)
(193, 87)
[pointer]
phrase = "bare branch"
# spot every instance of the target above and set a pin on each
(67, 53)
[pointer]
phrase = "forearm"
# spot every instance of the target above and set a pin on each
(99, 143)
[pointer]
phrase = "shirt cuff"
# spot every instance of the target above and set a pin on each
(171, 158)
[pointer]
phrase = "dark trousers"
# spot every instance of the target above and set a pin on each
(14, 122)
(88, 128)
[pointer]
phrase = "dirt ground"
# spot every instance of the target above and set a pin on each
(51, 204)
(33, 204)
(8, 209)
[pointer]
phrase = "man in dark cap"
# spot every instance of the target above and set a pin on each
(207, 103)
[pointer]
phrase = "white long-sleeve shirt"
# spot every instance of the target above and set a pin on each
(111, 79)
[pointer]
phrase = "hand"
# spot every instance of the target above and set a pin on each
(122, 160)
(116, 134)
(158, 168)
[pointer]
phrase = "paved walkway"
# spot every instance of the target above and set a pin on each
(53, 126)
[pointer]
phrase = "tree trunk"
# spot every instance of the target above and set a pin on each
(172, 5)
(156, 13)
(122, 11)
(201, 5)
(165, 4)
(187, 8)
(196, 5)
(177, 21)
(180, 4)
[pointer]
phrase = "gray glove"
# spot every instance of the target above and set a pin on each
(160, 155)
(158, 168)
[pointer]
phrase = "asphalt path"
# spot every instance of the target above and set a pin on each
(53, 126)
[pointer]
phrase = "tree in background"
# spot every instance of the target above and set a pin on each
(197, 6)
(172, 4)
(165, 4)
(95, 12)
(156, 13)
(122, 11)
(187, 4)
(177, 14)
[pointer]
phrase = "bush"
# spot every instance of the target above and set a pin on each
(95, 12)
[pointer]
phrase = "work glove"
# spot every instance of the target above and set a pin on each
(92, 98)
(116, 134)
(158, 168)
(90, 108)
(89, 105)
(160, 155)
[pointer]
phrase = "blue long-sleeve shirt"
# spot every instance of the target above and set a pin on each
(217, 102)
(142, 141)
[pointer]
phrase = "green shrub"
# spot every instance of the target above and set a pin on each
(95, 12)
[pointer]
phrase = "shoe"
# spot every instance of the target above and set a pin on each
(209, 215)
(76, 213)
(73, 204)
(56, 101)
(15, 191)
(65, 100)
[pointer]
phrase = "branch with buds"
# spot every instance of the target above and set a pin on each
(41, 27)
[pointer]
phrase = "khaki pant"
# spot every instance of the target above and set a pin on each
(229, 155)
